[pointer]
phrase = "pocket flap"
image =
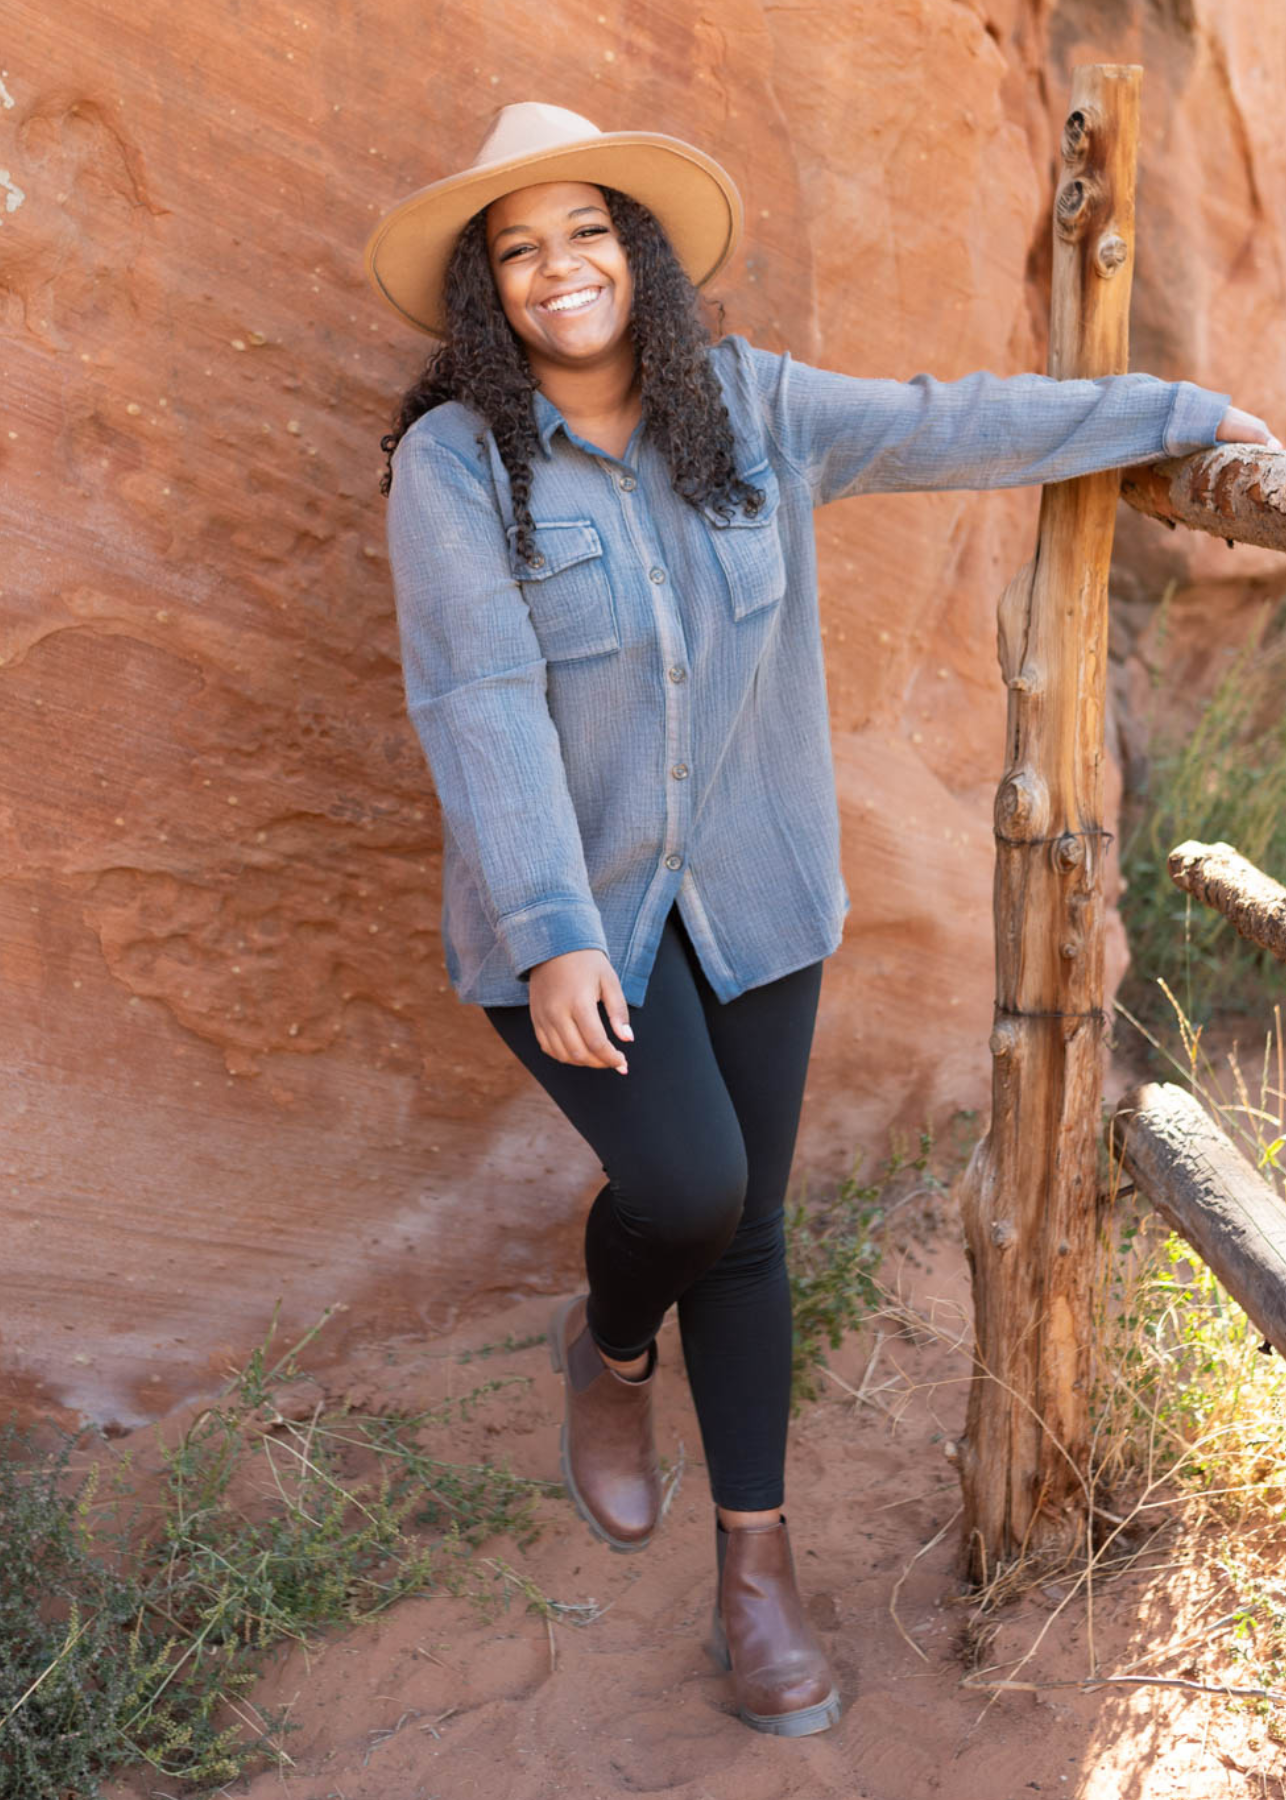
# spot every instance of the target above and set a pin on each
(560, 544)
(567, 589)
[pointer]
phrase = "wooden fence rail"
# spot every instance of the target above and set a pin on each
(1204, 1187)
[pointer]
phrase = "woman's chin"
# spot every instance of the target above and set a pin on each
(580, 346)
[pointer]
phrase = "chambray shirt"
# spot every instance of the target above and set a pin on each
(638, 716)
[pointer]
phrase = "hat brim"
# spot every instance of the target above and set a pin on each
(693, 199)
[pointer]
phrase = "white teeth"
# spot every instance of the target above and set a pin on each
(572, 302)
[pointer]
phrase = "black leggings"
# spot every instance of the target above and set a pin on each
(696, 1142)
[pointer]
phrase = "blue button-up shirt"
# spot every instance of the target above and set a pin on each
(638, 716)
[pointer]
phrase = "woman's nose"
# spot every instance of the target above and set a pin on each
(559, 258)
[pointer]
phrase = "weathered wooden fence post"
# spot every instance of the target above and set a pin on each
(1030, 1193)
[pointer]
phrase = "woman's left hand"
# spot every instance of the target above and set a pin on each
(1238, 427)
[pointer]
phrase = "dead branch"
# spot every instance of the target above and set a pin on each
(1203, 1186)
(1088, 1684)
(1221, 878)
(1233, 491)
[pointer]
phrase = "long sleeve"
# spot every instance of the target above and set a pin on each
(849, 435)
(476, 694)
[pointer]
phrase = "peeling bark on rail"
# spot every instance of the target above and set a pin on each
(1203, 1186)
(1234, 491)
(1221, 878)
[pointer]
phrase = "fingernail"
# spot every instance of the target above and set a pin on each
(622, 1068)
(626, 1033)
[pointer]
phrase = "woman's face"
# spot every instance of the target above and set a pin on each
(561, 272)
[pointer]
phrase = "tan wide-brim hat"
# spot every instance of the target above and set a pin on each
(694, 200)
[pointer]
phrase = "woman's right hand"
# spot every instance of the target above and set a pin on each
(563, 997)
(1237, 427)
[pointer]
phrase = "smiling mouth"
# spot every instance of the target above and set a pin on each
(582, 299)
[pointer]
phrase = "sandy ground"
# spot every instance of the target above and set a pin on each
(435, 1702)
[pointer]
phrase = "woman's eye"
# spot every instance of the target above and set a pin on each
(581, 231)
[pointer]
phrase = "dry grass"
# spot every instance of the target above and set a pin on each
(1187, 1461)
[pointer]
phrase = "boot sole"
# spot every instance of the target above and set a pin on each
(564, 1458)
(803, 1722)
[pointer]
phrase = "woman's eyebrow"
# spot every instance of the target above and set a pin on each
(574, 213)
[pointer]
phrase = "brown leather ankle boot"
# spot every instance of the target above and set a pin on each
(608, 1451)
(783, 1681)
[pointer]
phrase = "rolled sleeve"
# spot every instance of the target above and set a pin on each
(476, 694)
(849, 435)
(1195, 417)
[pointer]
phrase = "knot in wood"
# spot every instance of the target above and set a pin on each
(1076, 138)
(1003, 1040)
(1073, 207)
(1003, 1233)
(1110, 252)
(1067, 853)
(1070, 949)
(1022, 805)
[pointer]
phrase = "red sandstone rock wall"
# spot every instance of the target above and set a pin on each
(233, 1068)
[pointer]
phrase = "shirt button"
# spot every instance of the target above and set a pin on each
(656, 575)
(674, 862)
(678, 673)
(627, 483)
(679, 771)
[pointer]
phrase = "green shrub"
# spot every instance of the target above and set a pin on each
(1225, 782)
(132, 1641)
(834, 1247)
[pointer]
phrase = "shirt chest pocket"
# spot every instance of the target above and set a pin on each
(566, 587)
(749, 548)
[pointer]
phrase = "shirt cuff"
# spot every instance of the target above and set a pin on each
(550, 929)
(1194, 419)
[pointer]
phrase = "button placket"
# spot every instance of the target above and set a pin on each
(676, 739)
(676, 674)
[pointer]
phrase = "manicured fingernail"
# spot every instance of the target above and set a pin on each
(626, 1033)
(622, 1068)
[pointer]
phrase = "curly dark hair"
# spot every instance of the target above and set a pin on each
(482, 363)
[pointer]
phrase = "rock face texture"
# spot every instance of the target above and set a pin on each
(234, 1071)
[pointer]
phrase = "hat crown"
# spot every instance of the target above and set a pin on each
(527, 127)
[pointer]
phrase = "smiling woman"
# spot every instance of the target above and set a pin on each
(565, 285)
(601, 537)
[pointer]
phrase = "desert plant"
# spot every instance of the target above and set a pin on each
(134, 1637)
(1223, 781)
(1189, 1405)
(835, 1243)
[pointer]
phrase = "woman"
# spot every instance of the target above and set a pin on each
(600, 529)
